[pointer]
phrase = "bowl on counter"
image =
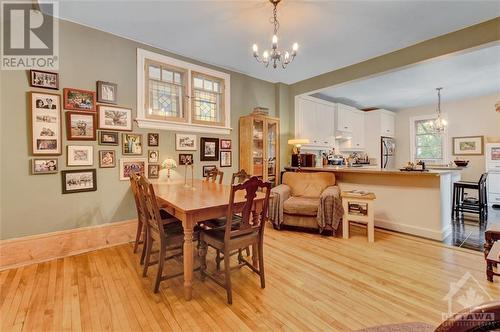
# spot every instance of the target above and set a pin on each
(461, 163)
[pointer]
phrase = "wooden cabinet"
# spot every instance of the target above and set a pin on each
(259, 147)
(314, 120)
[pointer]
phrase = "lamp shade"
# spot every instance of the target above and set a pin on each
(298, 141)
(169, 163)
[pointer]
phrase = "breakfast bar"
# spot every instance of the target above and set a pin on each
(417, 203)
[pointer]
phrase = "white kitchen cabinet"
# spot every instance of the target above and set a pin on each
(379, 123)
(350, 128)
(386, 123)
(314, 120)
(345, 118)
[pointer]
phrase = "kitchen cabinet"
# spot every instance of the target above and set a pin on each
(314, 120)
(346, 118)
(386, 123)
(379, 123)
(350, 128)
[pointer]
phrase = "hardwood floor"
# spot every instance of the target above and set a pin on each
(313, 283)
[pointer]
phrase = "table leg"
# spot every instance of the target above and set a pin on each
(188, 258)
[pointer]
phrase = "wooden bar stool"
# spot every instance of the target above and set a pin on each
(358, 208)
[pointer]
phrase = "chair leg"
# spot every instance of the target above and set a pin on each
(227, 272)
(159, 273)
(247, 249)
(202, 253)
(453, 202)
(138, 234)
(149, 244)
(217, 259)
(144, 247)
(261, 265)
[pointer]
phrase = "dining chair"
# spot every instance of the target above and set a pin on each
(240, 177)
(170, 236)
(236, 236)
(213, 174)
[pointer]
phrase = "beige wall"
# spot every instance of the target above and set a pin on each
(33, 204)
(468, 117)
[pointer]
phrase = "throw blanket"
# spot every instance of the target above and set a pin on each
(330, 208)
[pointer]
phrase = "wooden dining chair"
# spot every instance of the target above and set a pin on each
(213, 174)
(236, 236)
(170, 236)
(240, 177)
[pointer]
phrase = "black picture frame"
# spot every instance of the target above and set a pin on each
(209, 149)
(33, 83)
(184, 157)
(207, 168)
(65, 173)
(153, 139)
(115, 135)
(223, 161)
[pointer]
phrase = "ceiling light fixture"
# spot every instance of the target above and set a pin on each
(275, 56)
(439, 123)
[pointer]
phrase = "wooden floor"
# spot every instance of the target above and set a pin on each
(313, 283)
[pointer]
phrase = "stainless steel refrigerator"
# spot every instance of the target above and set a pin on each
(388, 149)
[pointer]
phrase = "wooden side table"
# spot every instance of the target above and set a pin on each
(358, 208)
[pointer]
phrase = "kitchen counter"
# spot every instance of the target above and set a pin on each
(371, 170)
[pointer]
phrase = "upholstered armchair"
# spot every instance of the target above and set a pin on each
(306, 200)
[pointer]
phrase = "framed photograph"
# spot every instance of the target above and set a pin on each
(153, 139)
(153, 156)
(132, 165)
(79, 100)
(207, 168)
(81, 180)
(185, 142)
(108, 138)
(44, 166)
(226, 158)
(153, 171)
(44, 79)
(107, 92)
(225, 144)
(185, 159)
(80, 155)
(209, 150)
(468, 146)
(115, 118)
(46, 123)
(80, 126)
(132, 144)
(107, 158)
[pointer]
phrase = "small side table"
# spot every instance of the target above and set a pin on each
(358, 208)
(493, 259)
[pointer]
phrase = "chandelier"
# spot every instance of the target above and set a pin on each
(275, 56)
(439, 123)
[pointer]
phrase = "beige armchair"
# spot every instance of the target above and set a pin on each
(306, 200)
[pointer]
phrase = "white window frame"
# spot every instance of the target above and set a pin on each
(446, 158)
(144, 122)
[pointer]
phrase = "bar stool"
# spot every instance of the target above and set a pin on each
(358, 208)
(461, 205)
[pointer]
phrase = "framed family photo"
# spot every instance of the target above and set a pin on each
(225, 144)
(44, 79)
(132, 144)
(81, 180)
(185, 159)
(153, 156)
(185, 142)
(132, 165)
(107, 158)
(46, 123)
(107, 92)
(207, 169)
(80, 126)
(79, 100)
(80, 155)
(44, 166)
(153, 171)
(209, 150)
(226, 159)
(468, 146)
(153, 139)
(115, 118)
(108, 138)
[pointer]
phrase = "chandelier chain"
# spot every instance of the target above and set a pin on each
(274, 19)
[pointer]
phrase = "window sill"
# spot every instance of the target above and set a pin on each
(182, 126)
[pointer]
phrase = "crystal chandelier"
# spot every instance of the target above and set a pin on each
(439, 123)
(275, 56)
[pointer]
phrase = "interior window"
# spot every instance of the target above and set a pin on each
(207, 102)
(428, 142)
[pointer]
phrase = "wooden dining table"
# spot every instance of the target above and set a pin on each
(198, 201)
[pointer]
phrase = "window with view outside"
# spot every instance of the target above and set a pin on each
(206, 99)
(165, 92)
(428, 142)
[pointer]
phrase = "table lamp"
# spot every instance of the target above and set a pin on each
(297, 143)
(168, 164)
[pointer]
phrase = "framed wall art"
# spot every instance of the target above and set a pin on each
(115, 118)
(46, 123)
(185, 158)
(108, 138)
(207, 168)
(107, 158)
(44, 166)
(132, 144)
(209, 150)
(44, 79)
(226, 159)
(185, 142)
(468, 146)
(153, 156)
(132, 165)
(80, 155)
(80, 126)
(153, 171)
(81, 180)
(79, 100)
(225, 144)
(107, 92)
(153, 139)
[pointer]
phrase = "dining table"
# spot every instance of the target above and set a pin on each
(193, 202)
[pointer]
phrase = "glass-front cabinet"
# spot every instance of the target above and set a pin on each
(259, 147)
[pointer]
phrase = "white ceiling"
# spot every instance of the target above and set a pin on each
(331, 34)
(464, 75)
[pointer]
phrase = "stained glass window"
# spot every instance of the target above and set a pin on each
(206, 100)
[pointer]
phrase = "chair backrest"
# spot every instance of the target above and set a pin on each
(134, 185)
(251, 221)
(151, 210)
(212, 175)
(482, 179)
(240, 177)
(308, 184)
(483, 317)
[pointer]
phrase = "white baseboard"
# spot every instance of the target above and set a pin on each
(413, 230)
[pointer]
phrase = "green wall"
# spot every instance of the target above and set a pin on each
(33, 204)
